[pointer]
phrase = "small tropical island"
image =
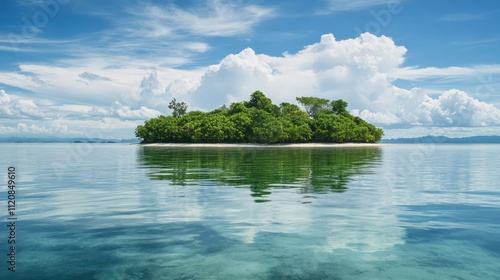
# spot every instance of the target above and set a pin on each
(260, 121)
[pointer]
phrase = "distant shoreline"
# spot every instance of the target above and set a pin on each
(244, 145)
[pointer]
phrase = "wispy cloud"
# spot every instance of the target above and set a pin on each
(93, 77)
(477, 42)
(37, 41)
(352, 5)
(15, 49)
(23, 44)
(29, 3)
(214, 19)
(415, 73)
(164, 35)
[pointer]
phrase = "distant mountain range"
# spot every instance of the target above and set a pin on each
(64, 140)
(446, 140)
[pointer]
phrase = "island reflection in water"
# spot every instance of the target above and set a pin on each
(260, 169)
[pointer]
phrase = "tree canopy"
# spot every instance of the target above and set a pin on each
(179, 108)
(260, 121)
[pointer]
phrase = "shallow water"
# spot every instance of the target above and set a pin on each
(110, 211)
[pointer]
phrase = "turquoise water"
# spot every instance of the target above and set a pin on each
(111, 211)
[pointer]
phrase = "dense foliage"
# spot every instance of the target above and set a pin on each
(260, 121)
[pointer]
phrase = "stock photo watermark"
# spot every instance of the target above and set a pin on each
(486, 87)
(11, 218)
(381, 18)
(34, 23)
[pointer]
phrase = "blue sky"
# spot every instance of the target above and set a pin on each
(98, 68)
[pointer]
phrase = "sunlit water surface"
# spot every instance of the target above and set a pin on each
(112, 211)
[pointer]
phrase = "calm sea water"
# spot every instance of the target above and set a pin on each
(111, 211)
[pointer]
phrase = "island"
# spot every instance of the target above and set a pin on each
(260, 121)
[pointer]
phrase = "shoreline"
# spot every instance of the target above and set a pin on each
(244, 145)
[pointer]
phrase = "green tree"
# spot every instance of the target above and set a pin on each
(260, 121)
(221, 110)
(295, 123)
(188, 125)
(215, 128)
(313, 105)
(259, 101)
(242, 127)
(339, 107)
(322, 127)
(237, 107)
(179, 108)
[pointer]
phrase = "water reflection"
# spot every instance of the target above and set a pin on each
(260, 169)
(109, 220)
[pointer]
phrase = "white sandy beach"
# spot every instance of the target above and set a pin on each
(301, 145)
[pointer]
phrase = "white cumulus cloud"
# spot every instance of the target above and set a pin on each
(127, 113)
(44, 118)
(20, 108)
(361, 71)
(123, 112)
